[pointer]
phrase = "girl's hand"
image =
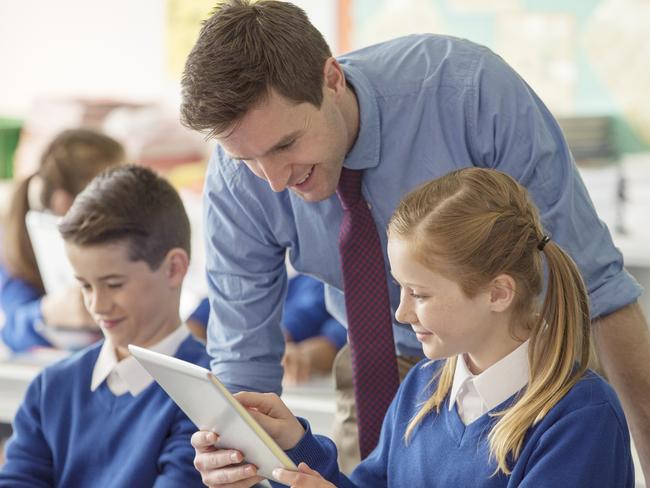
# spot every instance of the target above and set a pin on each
(274, 416)
(305, 477)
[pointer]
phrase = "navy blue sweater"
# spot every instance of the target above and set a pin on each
(582, 442)
(67, 436)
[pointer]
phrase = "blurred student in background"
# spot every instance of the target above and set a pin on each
(68, 164)
(313, 337)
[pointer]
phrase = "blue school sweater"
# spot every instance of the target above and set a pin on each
(67, 436)
(21, 307)
(582, 442)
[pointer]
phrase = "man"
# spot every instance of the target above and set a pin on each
(288, 117)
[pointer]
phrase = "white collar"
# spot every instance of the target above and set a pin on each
(497, 383)
(127, 374)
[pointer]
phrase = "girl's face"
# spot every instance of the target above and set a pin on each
(444, 319)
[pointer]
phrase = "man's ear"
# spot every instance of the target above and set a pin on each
(175, 266)
(333, 77)
(502, 290)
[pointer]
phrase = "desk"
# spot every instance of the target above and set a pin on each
(314, 400)
(15, 375)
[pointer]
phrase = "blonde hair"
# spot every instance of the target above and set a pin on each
(70, 161)
(472, 225)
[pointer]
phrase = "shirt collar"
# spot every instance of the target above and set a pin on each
(129, 370)
(498, 382)
(365, 150)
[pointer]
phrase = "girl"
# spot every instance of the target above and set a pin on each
(68, 164)
(513, 403)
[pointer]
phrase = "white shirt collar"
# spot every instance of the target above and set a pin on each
(127, 374)
(478, 394)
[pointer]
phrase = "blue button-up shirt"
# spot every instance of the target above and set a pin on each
(428, 105)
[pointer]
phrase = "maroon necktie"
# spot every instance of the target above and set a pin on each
(370, 329)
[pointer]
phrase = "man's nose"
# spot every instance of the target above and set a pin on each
(276, 173)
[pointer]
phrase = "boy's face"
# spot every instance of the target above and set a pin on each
(132, 303)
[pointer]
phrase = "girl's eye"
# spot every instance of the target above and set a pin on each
(416, 296)
(113, 286)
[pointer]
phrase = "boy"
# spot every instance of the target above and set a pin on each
(97, 418)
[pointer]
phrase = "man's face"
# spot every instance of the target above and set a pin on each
(294, 146)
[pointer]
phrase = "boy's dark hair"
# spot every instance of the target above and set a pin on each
(244, 50)
(129, 204)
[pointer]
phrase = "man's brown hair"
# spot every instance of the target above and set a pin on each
(244, 50)
(129, 204)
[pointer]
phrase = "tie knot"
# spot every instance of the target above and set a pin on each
(349, 187)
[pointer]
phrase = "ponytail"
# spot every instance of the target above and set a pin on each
(560, 337)
(17, 252)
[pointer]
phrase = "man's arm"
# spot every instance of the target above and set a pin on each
(246, 278)
(622, 341)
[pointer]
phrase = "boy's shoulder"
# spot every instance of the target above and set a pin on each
(73, 369)
(193, 351)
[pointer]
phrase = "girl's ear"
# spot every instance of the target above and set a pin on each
(502, 292)
(175, 266)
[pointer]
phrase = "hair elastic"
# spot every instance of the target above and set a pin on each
(543, 241)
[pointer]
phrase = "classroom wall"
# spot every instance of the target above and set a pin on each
(93, 48)
(583, 57)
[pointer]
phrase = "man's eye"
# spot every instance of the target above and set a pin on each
(286, 146)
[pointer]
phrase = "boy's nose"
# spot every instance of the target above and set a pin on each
(100, 304)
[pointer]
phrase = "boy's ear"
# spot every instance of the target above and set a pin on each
(502, 293)
(60, 201)
(175, 266)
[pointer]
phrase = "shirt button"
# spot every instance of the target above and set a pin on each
(369, 206)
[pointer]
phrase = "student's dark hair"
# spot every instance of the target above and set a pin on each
(70, 161)
(244, 50)
(472, 225)
(131, 205)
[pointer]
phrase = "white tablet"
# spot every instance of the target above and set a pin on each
(207, 402)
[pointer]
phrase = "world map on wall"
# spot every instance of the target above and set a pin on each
(586, 57)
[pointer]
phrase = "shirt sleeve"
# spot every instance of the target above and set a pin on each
(335, 332)
(28, 457)
(247, 282)
(510, 129)
(176, 461)
(588, 447)
(21, 306)
(202, 313)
